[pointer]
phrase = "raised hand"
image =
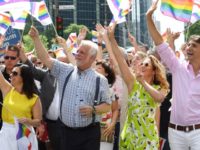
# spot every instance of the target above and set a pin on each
(111, 30)
(33, 32)
(82, 33)
(61, 41)
(153, 7)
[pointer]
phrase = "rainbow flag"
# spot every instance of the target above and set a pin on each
(71, 42)
(5, 22)
(178, 9)
(40, 12)
(22, 131)
(7, 5)
(195, 12)
(22, 136)
(119, 8)
(20, 21)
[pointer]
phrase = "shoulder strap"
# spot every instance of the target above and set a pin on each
(96, 96)
(63, 91)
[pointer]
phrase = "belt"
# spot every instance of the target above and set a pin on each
(96, 124)
(184, 128)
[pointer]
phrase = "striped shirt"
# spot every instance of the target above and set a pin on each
(80, 90)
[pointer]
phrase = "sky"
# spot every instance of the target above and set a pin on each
(169, 22)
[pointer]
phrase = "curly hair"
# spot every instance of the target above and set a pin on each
(160, 73)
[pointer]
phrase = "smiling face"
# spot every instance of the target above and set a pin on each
(147, 68)
(193, 51)
(16, 78)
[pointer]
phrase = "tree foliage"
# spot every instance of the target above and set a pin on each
(28, 44)
(193, 29)
(75, 28)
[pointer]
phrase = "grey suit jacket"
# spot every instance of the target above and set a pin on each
(48, 85)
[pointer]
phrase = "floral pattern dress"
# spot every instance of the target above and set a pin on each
(140, 130)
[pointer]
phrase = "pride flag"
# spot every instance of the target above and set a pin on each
(5, 22)
(119, 8)
(22, 136)
(195, 12)
(71, 42)
(22, 131)
(179, 9)
(7, 5)
(19, 21)
(40, 12)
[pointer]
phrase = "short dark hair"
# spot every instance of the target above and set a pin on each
(111, 74)
(13, 48)
(195, 38)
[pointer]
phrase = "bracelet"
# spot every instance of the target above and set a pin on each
(99, 44)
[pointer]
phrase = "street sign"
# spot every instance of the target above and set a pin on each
(64, 7)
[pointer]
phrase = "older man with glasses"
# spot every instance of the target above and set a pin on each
(11, 58)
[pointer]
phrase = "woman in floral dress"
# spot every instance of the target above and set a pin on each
(147, 87)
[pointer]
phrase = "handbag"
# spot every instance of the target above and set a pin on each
(45, 137)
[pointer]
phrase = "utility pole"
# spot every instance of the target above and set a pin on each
(105, 12)
(56, 2)
(98, 11)
(75, 11)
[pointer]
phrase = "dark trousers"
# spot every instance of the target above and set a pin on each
(87, 138)
(55, 133)
(116, 136)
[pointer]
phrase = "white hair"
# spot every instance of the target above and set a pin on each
(93, 47)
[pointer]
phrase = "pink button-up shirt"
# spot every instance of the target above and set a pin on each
(185, 88)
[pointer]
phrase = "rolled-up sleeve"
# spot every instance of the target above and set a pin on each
(168, 56)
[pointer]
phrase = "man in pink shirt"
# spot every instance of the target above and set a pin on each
(184, 126)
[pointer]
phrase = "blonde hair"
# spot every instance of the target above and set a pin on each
(160, 73)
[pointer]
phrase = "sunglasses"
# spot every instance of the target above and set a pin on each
(145, 64)
(10, 57)
(39, 63)
(14, 73)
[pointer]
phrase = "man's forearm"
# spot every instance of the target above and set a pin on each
(102, 108)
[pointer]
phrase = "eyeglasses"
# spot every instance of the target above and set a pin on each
(14, 73)
(10, 57)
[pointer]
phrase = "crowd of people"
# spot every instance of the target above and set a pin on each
(86, 101)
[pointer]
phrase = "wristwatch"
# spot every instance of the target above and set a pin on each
(99, 44)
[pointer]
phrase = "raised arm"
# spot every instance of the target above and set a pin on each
(40, 49)
(126, 74)
(61, 41)
(156, 36)
(133, 42)
(37, 72)
(103, 32)
(4, 85)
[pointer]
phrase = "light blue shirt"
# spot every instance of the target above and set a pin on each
(80, 90)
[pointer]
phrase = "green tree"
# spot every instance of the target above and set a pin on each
(28, 44)
(75, 28)
(192, 29)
